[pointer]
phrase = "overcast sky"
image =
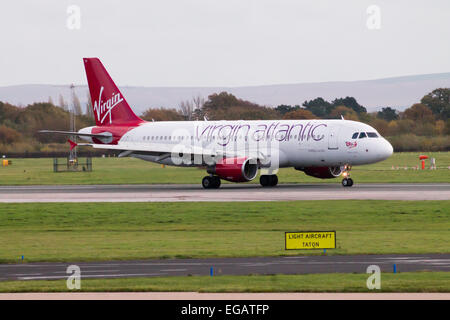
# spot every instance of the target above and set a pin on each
(222, 42)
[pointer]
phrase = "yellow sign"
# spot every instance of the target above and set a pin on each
(310, 240)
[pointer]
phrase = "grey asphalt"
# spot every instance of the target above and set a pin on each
(228, 192)
(229, 266)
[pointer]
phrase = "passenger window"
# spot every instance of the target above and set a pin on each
(362, 135)
(372, 135)
(355, 135)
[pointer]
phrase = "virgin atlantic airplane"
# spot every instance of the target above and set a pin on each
(228, 150)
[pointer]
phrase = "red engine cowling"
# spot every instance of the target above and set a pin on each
(323, 172)
(236, 169)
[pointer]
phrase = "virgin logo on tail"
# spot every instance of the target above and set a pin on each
(103, 108)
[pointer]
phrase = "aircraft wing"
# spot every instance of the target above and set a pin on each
(168, 149)
(162, 149)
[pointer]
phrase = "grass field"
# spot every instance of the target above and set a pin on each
(400, 282)
(134, 171)
(118, 231)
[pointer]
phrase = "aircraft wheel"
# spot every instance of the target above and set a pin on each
(264, 180)
(207, 182)
(273, 180)
(268, 180)
(216, 182)
(350, 182)
(347, 182)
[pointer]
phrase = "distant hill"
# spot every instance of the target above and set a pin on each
(398, 92)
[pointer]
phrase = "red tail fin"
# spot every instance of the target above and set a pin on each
(110, 107)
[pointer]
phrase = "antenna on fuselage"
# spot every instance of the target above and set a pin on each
(342, 117)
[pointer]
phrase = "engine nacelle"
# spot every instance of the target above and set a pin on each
(235, 169)
(323, 172)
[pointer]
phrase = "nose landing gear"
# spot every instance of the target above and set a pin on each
(347, 181)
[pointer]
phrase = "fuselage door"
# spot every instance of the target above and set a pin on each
(333, 135)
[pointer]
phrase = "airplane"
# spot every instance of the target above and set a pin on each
(229, 150)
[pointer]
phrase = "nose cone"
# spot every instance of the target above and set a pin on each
(386, 150)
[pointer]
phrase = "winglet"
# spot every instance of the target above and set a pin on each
(72, 144)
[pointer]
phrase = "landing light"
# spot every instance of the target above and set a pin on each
(345, 174)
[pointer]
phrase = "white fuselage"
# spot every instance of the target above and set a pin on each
(295, 143)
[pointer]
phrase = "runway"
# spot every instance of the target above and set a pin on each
(228, 266)
(228, 192)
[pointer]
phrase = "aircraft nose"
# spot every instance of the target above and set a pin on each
(387, 149)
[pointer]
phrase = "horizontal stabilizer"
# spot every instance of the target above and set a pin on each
(70, 133)
(72, 144)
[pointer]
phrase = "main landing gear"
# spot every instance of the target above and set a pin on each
(211, 182)
(268, 180)
(347, 181)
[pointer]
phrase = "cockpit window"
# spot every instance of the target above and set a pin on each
(362, 135)
(355, 135)
(372, 135)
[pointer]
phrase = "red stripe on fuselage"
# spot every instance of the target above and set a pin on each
(116, 131)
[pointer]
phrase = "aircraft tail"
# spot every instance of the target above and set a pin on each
(110, 107)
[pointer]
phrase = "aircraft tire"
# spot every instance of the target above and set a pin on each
(207, 182)
(268, 180)
(216, 182)
(264, 180)
(350, 182)
(347, 182)
(273, 180)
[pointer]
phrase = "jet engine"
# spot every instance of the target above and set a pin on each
(323, 172)
(235, 169)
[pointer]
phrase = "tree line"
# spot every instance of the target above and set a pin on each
(19, 128)
(424, 126)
